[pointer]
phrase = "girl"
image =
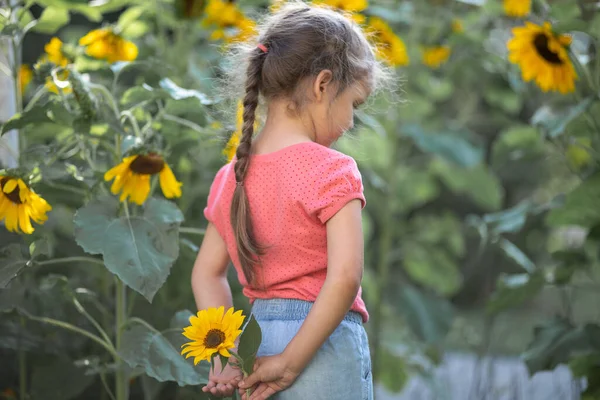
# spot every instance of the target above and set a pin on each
(286, 211)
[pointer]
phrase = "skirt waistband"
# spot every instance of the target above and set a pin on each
(290, 309)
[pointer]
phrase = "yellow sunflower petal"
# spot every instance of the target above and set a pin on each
(168, 183)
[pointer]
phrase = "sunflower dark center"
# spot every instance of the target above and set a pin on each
(12, 196)
(541, 45)
(214, 338)
(149, 165)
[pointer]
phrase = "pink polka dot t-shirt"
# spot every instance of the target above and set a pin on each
(292, 193)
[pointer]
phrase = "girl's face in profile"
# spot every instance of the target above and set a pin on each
(334, 114)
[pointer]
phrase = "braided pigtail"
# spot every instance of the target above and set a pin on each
(241, 222)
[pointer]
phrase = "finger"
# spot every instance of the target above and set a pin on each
(221, 388)
(259, 390)
(268, 393)
(210, 384)
(251, 380)
(263, 391)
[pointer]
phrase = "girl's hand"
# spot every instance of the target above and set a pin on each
(223, 383)
(271, 374)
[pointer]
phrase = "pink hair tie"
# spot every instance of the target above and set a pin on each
(262, 47)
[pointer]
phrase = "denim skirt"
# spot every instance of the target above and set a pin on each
(341, 368)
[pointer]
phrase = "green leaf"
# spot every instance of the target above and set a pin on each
(554, 122)
(429, 317)
(517, 255)
(52, 19)
(555, 341)
(477, 182)
(514, 290)
(510, 220)
(92, 221)
(181, 319)
(581, 365)
(138, 94)
(92, 13)
(158, 354)
(133, 250)
(569, 262)
(130, 15)
(11, 263)
(581, 205)
(503, 98)
(414, 187)
(394, 374)
(432, 267)
(249, 343)
(179, 93)
(40, 247)
(59, 380)
(139, 250)
(51, 112)
(449, 146)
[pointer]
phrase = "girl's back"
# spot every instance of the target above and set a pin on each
(292, 193)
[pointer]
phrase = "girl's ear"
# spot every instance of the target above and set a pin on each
(321, 84)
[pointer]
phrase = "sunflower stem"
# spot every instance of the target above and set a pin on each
(121, 382)
(73, 328)
(109, 97)
(83, 311)
(184, 122)
(70, 260)
(193, 231)
(142, 322)
(129, 116)
(22, 367)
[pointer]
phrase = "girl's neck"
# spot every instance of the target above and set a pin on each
(280, 130)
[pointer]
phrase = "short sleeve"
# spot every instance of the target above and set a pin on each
(213, 194)
(337, 182)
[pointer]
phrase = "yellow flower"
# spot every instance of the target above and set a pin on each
(104, 44)
(54, 52)
(517, 8)
(388, 45)
(62, 76)
(132, 178)
(542, 56)
(19, 204)
(434, 57)
(212, 332)
(457, 26)
(228, 21)
(234, 140)
(25, 76)
(353, 7)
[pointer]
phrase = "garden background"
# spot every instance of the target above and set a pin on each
(482, 229)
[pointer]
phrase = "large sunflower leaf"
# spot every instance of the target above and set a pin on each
(433, 267)
(11, 263)
(52, 19)
(514, 290)
(133, 251)
(554, 122)
(478, 182)
(450, 146)
(159, 355)
(581, 205)
(429, 317)
(91, 222)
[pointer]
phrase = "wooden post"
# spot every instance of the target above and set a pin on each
(9, 143)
